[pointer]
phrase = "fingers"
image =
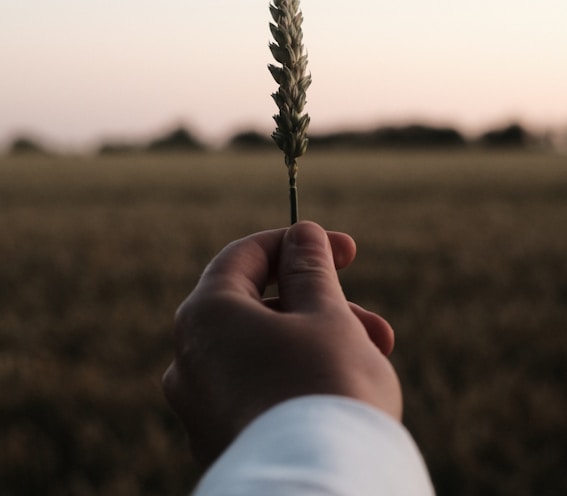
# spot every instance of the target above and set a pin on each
(378, 329)
(247, 265)
(244, 266)
(343, 247)
(307, 278)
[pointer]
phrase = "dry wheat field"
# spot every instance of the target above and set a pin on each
(465, 253)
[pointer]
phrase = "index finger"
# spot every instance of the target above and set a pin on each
(244, 265)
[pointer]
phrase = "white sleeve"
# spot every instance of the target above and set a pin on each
(320, 446)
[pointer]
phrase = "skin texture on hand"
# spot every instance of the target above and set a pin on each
(238, 354)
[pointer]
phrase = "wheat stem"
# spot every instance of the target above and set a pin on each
(293, 203)
(291, 123)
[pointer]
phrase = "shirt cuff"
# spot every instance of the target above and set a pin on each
(320, 446)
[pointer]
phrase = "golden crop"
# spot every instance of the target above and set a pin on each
(464, 253)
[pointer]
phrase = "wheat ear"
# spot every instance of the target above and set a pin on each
(291, 130)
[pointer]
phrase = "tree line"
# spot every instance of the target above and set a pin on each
(411, 136)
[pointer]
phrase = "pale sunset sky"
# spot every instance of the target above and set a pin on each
(74, 72)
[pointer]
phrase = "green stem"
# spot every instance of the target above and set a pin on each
(293, 199)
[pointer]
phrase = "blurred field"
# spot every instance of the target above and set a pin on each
(464, 253)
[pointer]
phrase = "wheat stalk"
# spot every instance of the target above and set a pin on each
(291, 130)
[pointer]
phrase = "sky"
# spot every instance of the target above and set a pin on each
(75, 72)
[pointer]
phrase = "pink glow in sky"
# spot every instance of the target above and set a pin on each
(77, 71)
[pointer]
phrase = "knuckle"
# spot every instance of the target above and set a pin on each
(169, 381)
(193, 322)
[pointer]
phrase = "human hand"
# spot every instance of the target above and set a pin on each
(237, 354)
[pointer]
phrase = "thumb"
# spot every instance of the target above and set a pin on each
(307, 278)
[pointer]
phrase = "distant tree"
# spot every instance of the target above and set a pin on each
(341, 139)
(411, 136)
(178, 140)
(26, 145)
(418, 136)
(251, 140)
(118, 148)
(513, 136)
